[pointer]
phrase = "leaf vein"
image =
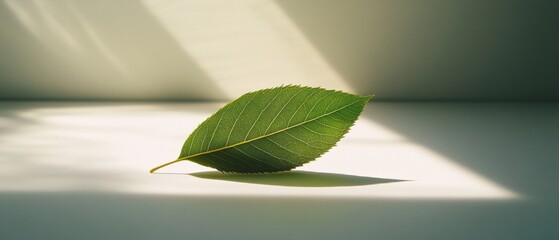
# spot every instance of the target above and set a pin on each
(259, 115)
(268, 128)
(271, 155)
(344, 116)
(319, 133)
(286, 149)
(217, 126)
(192, 141)
(317, 101)
(300, 140)
(242, 160)
(328, 126)
(237, 119)
(250, 156)
(296, 111)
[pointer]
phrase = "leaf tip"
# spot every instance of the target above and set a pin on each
(367, 98)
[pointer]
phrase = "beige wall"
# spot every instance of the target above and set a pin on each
(211, 50)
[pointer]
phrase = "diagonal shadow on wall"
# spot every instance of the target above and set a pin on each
(437, 50)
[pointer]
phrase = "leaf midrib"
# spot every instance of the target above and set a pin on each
(265, 135)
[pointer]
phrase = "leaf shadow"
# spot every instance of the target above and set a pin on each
(296, 179)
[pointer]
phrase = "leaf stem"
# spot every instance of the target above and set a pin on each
(163, 165)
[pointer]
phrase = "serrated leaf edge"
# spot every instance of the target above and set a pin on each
(362, 98)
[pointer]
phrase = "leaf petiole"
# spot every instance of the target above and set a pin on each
(164, 165)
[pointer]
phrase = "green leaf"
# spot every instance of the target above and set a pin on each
(272, 130)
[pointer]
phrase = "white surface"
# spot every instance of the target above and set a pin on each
(110, 147)
(478, 171)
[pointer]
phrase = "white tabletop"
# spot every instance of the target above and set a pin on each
(489, 158)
